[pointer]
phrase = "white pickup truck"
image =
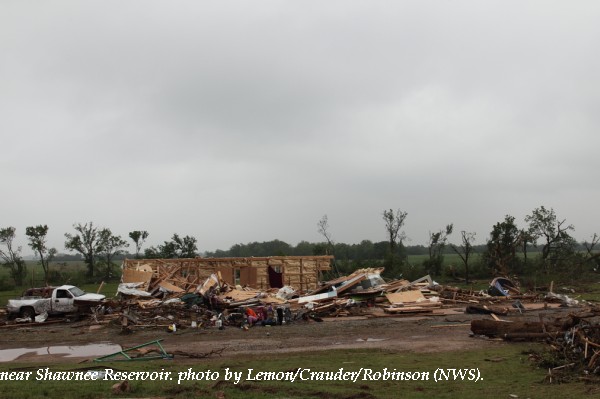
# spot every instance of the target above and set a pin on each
(52, 300)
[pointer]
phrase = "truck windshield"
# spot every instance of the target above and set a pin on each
(76, 292)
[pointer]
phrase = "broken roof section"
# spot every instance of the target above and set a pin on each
(501, 286)
(184, 275)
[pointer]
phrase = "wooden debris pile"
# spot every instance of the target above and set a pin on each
(574, 341)
(365, 293)
(581, 343)
(160, 281)
(362, 293)
(158, 298)
(209, 304)
(459, 296)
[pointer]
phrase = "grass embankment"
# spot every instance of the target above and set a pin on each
(503, 371)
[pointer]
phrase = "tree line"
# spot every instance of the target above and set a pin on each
(545, 244)
(507, 248)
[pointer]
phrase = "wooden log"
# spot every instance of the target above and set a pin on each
(493, 328)
(530, 336)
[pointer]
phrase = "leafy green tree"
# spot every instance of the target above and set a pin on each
(87, 242)
(393, 225)
(502, 247)
(304, 248)
(273, 248)
(184, 247)
(437, 243)
(465, 250)
(110, 246)
(37, 242)
(319, 249)
(152, 253)
(138, 237)
(178, 247)
(11, 256)
(381, 248)
(557, 243)
(364, 251)
(364, 254)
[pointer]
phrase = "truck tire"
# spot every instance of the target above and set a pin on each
(27, 313)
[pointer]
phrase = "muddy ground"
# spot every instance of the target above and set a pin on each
(447, 330)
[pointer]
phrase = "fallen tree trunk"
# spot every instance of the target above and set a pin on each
(493, 328)
(531, 336)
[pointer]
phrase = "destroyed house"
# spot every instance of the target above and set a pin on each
(300, 272)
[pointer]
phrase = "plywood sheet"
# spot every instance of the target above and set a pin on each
(248, 276)
(239, 295)
(144, 268)
(170, 287)
(405, 296)
(136, 276)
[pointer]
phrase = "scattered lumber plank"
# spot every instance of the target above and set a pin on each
(407, 309)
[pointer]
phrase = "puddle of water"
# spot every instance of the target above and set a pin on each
(7, 355)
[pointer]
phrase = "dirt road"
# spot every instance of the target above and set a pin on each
(447, 331)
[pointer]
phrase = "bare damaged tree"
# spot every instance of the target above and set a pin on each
(11, 255)
(465, 249)
(138, 237)
(437, 243)
(323, 228)
(591, 256)
(393, 224)
(589, 246)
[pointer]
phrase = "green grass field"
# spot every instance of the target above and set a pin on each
(504, 371)
(449, 259)
(35, 273)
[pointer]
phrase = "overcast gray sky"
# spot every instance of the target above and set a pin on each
(241, 121)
